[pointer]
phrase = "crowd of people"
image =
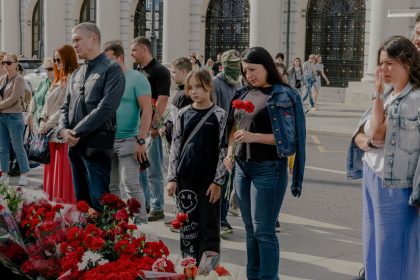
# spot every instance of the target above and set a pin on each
(234, 130)
(107, 127)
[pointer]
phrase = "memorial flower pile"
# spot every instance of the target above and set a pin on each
(53, 241)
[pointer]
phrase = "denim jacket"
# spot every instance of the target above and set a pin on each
(402, 145)
(289, 129)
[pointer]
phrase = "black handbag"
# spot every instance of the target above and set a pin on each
(39, 150)
(298, 83)
(99, 145)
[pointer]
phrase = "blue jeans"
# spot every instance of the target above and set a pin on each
(391, 240)
(260, 187)
(11, 130)
(154, 189)
(91, 178)
(309, 85)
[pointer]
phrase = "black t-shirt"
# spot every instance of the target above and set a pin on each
(159, 78)
(257, 122)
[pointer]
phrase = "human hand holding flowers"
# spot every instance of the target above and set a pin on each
(240, 136)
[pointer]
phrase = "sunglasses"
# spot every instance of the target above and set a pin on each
(49, 69)
(57, 60)
(7, 62)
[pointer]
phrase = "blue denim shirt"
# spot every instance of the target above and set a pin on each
(289, 129)
(402, 145)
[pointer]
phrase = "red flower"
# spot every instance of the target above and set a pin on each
(248, 106)
(133, 205)
(112, 201)
(154, 101)
(1, 207)
(176, 224)
(121, 215)
(82, 206)
(97, 243)
(222, 271)
(181, 217)
(238, 104)
(74, 233)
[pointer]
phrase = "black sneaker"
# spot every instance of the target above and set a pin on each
(155, 215)
(226, 229)
(361, 275)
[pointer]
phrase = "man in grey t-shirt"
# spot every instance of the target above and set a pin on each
(309, 78)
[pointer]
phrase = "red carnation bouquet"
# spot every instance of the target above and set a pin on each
(53, 241)
(241, 107)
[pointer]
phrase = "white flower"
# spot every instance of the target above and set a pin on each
(91, 259)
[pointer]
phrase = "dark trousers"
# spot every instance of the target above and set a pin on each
(201, 232)
(91, 178)
(225, 199)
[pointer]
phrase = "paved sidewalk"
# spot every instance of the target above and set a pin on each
(334, 119)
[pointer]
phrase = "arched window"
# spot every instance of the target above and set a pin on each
(36, 28)
(88, 11)
(336, 30)
(143, 23)
(227, 26)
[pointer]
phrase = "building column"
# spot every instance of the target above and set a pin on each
(54, 25)
(266, 18)
(108, 19)
(377, 16)
(176, 29)
(10, 27)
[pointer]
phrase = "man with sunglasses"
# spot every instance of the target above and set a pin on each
(87, 117)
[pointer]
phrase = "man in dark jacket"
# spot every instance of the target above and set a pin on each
(225, 85)
(87, 117)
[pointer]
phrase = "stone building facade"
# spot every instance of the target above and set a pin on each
(294, 27)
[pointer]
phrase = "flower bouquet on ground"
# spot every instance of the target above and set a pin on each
(48, 242)
(209, 268)
(108, 245)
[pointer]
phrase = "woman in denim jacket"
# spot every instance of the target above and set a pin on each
(266, 137)
(387, 145)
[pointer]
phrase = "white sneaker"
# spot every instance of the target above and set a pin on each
(4, 179)
(23, 180)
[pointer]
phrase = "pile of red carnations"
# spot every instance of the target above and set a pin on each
(57, 242)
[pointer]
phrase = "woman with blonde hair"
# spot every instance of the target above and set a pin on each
(38, 99)
(12, 89)
(57, 174)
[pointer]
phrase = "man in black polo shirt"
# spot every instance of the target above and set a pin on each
(160, 80)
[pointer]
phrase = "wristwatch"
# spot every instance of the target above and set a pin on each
(155, 126)
(141, 141)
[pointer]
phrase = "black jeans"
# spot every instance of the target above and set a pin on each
(201, 231)
(91, 178)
